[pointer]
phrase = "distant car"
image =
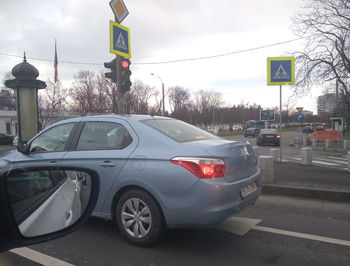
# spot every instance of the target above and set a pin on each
(319, 128)
(308, 129)
(268, 136)
(251, 132)
(5, 139)
(155, 172)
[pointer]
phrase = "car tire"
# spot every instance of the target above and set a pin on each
(139, 218)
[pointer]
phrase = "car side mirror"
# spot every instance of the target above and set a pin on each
(22, 147)
(46, 202)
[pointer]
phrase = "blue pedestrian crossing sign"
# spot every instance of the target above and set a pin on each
(300, 117)
(280, 70)
(119, 40)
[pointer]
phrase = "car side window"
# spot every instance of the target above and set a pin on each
(103, 136)
(54, 139)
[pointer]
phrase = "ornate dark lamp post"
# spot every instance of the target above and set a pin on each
(26, 87)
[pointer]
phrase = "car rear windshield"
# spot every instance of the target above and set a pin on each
(178, 130)
(268, 131)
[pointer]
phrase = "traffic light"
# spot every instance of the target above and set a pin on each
(124, 77)
(113, 67)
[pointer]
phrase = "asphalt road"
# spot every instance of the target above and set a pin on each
(276, 231)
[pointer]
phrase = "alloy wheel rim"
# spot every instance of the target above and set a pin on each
(136, 218)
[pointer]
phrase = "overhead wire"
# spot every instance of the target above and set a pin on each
(168, 61)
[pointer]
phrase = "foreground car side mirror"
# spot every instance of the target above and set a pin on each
(22, 147)
(42, 203)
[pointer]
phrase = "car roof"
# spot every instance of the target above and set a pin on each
(127, 117)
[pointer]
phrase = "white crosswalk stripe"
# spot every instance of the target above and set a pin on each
(340, 162)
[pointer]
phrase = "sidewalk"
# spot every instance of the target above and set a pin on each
(293, 179)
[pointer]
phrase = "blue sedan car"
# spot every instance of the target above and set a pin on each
(155, 172)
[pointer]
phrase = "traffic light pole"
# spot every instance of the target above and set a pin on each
(120, 96)
(280, 123)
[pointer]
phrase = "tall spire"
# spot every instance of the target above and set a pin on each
(24, 57)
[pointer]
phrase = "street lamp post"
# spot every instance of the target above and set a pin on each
(163, 109)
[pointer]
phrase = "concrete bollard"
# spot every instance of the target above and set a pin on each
(346, 144)
(328, 143)
(296, 140)
(304, 141)
(300, 140)
(306, 156)
(266, 167)
(314, 143)
(275, 154)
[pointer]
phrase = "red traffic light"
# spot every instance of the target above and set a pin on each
(125, 63)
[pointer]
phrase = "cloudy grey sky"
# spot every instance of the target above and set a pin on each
(160, 30)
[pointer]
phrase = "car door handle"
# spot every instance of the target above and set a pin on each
(53, 162)
(107, 164)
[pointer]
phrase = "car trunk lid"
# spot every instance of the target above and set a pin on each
(239, 156)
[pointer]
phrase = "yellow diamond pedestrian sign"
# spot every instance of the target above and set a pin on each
(280, 70)
(119, 40)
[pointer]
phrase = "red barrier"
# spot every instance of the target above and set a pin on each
(332, 135)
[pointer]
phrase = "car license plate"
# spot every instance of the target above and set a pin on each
(270, 137)
(248, 189)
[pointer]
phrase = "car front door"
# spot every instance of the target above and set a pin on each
(47, 148)
(103, 145)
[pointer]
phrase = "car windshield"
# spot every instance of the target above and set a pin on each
(268, 131)
(178, 130)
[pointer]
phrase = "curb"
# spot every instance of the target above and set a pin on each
(303, 192)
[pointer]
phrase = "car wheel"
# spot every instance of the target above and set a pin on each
(139, 217)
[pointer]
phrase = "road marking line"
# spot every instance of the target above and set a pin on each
(324, 163)
(240, 226)
(39, 257)
(344, 158)
(302, 235)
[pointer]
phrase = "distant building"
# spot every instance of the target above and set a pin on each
(8, 122)
(327, 104)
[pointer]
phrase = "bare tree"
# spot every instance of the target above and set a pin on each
(110, 89)
(106, 95)
(51, 101)
(179, 98)
(139, 98)
(83, 92)
(7, 96)
(326, 54)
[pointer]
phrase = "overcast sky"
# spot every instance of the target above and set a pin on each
(161, 30)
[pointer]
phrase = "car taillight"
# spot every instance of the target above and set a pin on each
(202, 167)
(278, 136)
(260, 135)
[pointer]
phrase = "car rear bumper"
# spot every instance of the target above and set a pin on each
(208, 203)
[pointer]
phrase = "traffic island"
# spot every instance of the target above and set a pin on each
(296, 180)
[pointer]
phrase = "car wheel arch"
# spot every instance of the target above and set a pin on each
(126, 188)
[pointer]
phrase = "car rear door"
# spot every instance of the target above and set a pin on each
(104, 145)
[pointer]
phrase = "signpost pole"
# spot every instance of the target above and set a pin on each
(280, 123)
